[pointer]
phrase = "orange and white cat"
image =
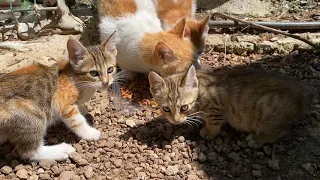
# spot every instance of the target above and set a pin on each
(171, 11)
(141, 42)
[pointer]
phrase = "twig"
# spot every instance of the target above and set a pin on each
(267, 29)
(225, 50)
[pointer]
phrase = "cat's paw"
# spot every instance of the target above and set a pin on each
(57, 152)
(204, 133)
(90, 134)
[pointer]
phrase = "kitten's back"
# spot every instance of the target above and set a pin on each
(256, 99)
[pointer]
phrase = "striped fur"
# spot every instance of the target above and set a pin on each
(34, 97)
(255, 101)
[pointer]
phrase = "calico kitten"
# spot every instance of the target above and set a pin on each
(171, 11)
(259, 102)
(34, 97)
(140, 40)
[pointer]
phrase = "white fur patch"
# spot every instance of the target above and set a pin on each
(84, 130)
(57, 152)
(130, 31)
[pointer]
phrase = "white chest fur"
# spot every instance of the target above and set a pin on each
(130, 31)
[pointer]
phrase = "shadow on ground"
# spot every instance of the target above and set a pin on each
(297, 155)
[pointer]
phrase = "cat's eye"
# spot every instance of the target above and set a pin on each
(94, 73)
(184, 108)
(110, 70)
(166, 109)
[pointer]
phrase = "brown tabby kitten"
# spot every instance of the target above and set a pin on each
(34, 97)
(255, 101)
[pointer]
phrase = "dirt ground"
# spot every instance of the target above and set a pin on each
(137, 143)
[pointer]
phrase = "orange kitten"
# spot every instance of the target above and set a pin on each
(171, 11)
(141, 42)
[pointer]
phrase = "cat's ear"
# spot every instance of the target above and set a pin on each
(181, 29)
(76, 51)
(204, 27)
(190, 80)
(109, 45)
(156, 82)
(163, 52)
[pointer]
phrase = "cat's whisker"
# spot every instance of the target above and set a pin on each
(196, 121)
(195, 113)
(192, 122)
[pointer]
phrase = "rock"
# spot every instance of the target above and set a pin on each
(66, 175)
(212, 156)
(110, 143)
(308, 167)
(303, 3)
(22, 174)
(40, 171)
(44, 176)
(181, 139)
(202, 157)
(192, 177)
(89, 172)
(273, 164)
(267, 150)
(6, 170)
(235, 157)
(117, 163)
(256, 167)
(130, 122)
(256, 173)
(34, 177)
(78, 159)
(172, 170)
(47, 163)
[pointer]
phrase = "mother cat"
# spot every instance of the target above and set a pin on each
(141, 42)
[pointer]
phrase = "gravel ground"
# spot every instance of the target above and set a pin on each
(137, 143)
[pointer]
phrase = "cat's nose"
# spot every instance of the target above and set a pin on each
(105, 81)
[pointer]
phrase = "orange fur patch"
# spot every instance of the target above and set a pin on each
(171, 12)
(116, 8)
(66, 94)
(183, 51)
(27, 69)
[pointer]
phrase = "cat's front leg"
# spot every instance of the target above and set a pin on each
(211, 128)
(73, 119)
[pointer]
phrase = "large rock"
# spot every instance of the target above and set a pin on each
(239, 7)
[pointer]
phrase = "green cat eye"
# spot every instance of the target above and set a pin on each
(166, 109)
(184, 108)
(110, 69)
(94, 73)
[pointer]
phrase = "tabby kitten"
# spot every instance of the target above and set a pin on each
(259, 102)
(34, 97)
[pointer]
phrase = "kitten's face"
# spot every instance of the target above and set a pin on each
(173, 51)
(176, 95)
(94, 66)
(198, 33)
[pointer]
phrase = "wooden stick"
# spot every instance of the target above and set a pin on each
(267, 29)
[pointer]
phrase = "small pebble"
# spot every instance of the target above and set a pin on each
(117, 163)
(273, 164)
(256, 173)
(6, 170)
(22, 174)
